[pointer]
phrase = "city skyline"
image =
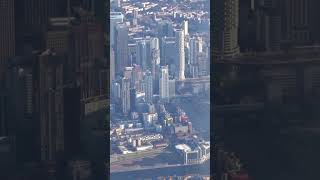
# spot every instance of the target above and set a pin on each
(155, 57)
(159, 89)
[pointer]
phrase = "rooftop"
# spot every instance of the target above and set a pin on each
(183, 147)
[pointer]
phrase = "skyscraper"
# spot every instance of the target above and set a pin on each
(7, 35)
(128, 73)
(50, 95)
(88, 51)
(121, 45)
(112, 65)
(168, 51)
(155, 65)
(116, 91)
(193, 57)
(185, 26)
(133, 93)
(58, 35)
(180, 63)
(149, 87)
(165, 28)
(172, 88)
(3, 114)
(115, 17)
(7, 49)
(164, 83)
(20, 102)
(296, 20)
(125, 96)
(225, 29)
(142, 54)
(32, 17)
(37, 12)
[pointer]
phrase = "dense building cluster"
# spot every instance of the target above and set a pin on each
(53, 81)
(160, 53)
(266, 68)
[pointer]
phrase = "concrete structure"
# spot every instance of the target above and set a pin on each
(149, 87)
(180, 62)
(121, 46)
(164, 83)
(172, 88)
(125, 96)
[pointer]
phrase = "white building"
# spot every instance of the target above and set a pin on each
(180, 62)
(164, 83)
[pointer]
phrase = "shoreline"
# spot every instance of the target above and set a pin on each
(157, 167)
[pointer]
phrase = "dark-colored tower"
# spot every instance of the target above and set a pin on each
(7, 36)
(121, 44)
(88, 53)
(296, 21)
(50, 105)
(32, 19)
(225, 29)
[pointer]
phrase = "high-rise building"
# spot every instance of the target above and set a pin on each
(155, 65)
(133, 94)
(168, 52)
(165, 29)
(203, 65)
(115, 17)
(194, 49)
(7, 34)
(172, 88)
(180, 62)
(264, 23)
(23, 111)
(50, 99)
(32, 18)
(38, 12)
(128, 73)
(58, 35)
(88, 52)
(125, 96)
(296, 20)
(142, 54)
(149, 87)
(164, 83)
(225, 29)
(185, 26)
(7, 49)
(121, 44)
(112, 65)
(116, 90)
(137, 77)
(3, 114)
(314, 14)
